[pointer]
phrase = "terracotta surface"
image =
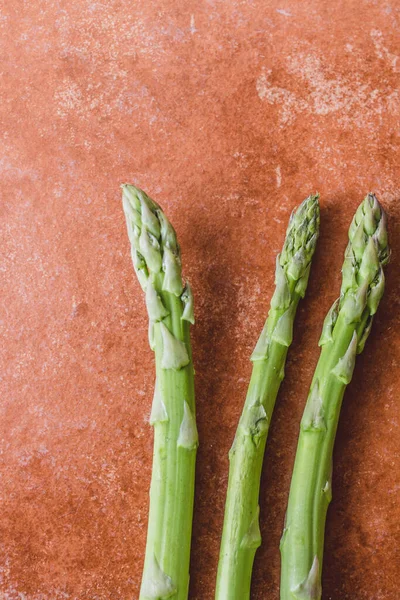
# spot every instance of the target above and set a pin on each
(228, 114)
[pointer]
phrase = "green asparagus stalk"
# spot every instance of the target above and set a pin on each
(156, 259)
(241, 534)
(345, 330)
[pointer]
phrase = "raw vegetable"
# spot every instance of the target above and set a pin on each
(345, 330)
(157, 262)
(241, 534)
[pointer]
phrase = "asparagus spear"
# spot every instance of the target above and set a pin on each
(345, 330)
(156, 259)
(241, 534)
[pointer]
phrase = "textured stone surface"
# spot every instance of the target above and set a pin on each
(227, 113)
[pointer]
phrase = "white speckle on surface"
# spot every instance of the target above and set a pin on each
(68, 97)
(192, 24)
(382, 52)
(354, 102)
(288, 100)
(283, 12)
(278, 176)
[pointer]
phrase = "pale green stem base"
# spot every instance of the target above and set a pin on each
(310, 491)
(172, 484)
(241, 535)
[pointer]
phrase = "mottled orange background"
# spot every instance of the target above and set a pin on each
(228, 113)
